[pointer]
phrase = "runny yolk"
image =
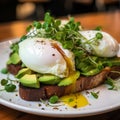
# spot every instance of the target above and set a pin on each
(76, 100)
(68, 61)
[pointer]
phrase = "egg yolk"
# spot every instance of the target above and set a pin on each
(70, 65)
(76, 100)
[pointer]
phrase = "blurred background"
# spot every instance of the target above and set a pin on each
(12, 10)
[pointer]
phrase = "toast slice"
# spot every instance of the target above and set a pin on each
(46, 91)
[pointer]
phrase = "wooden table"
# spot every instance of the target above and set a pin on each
(110, 23)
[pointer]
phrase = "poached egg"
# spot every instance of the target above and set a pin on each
(46, 56)
(107, 47)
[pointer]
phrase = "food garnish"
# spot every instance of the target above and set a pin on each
(53, 99)
(95, 94)
(8, 84)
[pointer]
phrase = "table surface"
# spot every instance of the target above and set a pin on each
(110, 23)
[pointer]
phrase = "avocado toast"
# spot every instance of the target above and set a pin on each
(81, 64)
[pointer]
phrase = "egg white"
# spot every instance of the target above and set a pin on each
(107, 47)
(39, 55)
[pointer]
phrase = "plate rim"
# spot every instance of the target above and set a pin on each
(59, 114)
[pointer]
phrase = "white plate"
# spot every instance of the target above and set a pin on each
(108, 99)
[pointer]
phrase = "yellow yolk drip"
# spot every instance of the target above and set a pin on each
(68, 61)
(76, 100)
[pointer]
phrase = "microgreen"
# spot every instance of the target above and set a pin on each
(4, 82)
(14, 47)
(53, 99)
(95, 40)
(28, 28)
(95, 94)
(4, 71)
(23, 38)
(109, 81)
(10, 87)
(113, 84)
(37, 24)
(8, 84)
(99, 35)
(99, 28)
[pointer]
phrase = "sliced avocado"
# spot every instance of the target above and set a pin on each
(14, 58)
(30, 81)
(49, 79)
(22, 72)
(69, 80)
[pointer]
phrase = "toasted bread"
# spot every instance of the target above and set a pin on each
(46, 91)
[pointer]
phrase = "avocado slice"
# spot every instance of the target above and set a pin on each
(70, 79)
(49, 79)
(30, 81)
(22, 72)
(14, 58)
